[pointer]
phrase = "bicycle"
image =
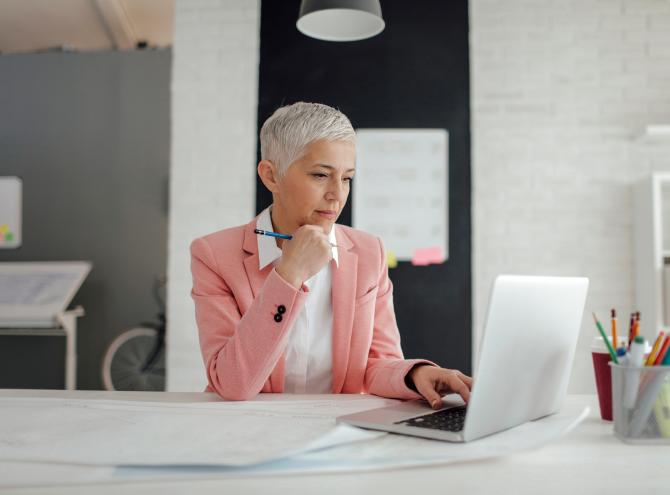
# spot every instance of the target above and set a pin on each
(135, 359)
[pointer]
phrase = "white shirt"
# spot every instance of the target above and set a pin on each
(309, 357)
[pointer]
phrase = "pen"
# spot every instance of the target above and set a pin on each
(278, 235)
(273, 234)
(606, 339)
(630, 329)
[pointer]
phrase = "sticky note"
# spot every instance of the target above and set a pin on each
(428, 256)
(391, 260)
(4, 228)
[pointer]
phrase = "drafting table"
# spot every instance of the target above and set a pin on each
(33, 301)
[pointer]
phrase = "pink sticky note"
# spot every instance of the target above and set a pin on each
(427, 256)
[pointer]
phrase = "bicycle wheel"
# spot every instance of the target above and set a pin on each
(124, 365)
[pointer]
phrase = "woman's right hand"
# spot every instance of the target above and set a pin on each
(304, 255)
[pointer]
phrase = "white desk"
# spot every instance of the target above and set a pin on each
(588, 460)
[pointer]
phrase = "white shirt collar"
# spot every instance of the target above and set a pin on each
(268, 251)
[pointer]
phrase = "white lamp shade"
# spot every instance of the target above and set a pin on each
(340, 20)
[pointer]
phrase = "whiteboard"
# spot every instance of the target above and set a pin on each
(400, 190)
(10, 212)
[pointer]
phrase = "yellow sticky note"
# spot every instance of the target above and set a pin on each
(391, 260)
(4, 228)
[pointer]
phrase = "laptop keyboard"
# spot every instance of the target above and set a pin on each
(447, 419)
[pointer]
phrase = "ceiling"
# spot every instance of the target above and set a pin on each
(84, 25)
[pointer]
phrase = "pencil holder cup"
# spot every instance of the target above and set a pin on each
(601, 359)
(641, 403)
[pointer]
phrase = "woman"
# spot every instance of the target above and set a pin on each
(313, 314)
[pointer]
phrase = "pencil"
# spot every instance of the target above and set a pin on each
(615, 342)
(607, 341)
(654, 350)
(663, 352)
(630, 329)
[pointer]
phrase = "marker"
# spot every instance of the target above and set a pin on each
(635, 360)
(273, 234)
(606, 339)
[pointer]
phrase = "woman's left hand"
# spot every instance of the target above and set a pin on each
(432, 382)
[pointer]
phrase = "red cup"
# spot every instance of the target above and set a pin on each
(603, 382)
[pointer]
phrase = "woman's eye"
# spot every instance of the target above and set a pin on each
(348, 179)
(319, 176)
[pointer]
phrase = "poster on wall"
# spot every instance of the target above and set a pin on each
(10, 212)
(401, 189)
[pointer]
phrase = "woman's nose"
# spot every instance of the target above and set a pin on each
(337, 191)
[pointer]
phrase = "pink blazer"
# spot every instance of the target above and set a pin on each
(242, 342)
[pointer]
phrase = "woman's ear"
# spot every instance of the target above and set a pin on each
(267, 171)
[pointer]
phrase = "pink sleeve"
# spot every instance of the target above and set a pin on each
(239, 351)
(386, 369)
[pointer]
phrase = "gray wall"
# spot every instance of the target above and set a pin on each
(90, 136)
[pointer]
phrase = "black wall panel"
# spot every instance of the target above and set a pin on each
(415, 74)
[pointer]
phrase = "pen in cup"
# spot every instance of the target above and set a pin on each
(606, 339)
(615, 340)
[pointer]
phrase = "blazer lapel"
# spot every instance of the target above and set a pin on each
(343, 297)
(250, 245)
(256, 280)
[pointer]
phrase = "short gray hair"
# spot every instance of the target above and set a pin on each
(287, 132)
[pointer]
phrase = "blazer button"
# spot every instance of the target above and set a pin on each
(278, 318)
(281, 309)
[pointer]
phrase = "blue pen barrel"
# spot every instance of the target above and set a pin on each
(641, 403)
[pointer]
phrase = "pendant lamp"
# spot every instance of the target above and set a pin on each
(340, 20)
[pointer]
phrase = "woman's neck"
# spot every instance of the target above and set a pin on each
(279, 223)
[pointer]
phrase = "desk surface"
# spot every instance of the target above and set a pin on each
(588, 460)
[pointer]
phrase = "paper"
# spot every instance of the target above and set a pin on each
(387, 451)
(22, 474)
(10, 211)
(98, 432)
(37, 289)
(32, 293)
(428, 256)
(392, 452)
(400, 192)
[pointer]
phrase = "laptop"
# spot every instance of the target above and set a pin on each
(523, 371)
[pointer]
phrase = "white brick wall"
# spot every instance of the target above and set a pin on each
(214, 105)
(559, 91)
